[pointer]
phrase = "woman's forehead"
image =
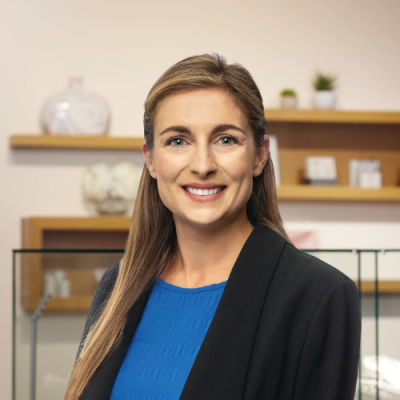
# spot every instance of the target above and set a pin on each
(199, 107)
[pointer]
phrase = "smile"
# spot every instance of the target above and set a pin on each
(203, 192)
(203, 195)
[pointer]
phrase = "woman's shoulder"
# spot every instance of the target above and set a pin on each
(303, 271)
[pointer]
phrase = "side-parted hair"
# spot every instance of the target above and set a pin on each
(152, 240)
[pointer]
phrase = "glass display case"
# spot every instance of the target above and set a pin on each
(45, 343)
(53, 290)
(377, 276)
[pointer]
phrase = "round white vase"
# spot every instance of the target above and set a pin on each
(75, 112)
(324, 99)
(289, 102)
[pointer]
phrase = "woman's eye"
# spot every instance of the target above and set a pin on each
(177, 139)
(225, 139)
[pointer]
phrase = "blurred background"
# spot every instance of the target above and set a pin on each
(76, 192)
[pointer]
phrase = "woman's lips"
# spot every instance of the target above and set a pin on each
(208, 197)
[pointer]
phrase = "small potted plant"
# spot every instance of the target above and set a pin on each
(324, 95)
(288, 98)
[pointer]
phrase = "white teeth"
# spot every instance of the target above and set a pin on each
(203, 192)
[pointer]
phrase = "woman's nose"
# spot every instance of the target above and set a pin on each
(202, 159)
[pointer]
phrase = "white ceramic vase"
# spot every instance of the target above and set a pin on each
(75, 112)
(324, 99)
(289, 102)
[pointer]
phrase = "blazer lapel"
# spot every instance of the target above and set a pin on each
(219, 370)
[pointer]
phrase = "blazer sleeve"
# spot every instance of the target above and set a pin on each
(104, 289)
(328, 365)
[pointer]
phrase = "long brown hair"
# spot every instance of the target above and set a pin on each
(152, 240)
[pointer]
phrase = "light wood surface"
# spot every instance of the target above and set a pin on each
(75, 142)
(34, 227)
(332, 116)
(337, 193)
(384, 287)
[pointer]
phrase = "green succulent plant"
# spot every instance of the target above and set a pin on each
(288, 93)
(324, 81)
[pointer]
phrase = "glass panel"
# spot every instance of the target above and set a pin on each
(72, 278)
(377, 274)
(388, 344)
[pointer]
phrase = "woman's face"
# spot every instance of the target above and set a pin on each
(202, 137)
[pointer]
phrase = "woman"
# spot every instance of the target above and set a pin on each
(211, 300)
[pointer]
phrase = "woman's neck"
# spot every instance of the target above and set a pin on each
(205, 256)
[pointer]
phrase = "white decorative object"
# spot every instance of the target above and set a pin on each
(75, 112)
(289, 102)
(389, 375)
(324, 99)
(320, 168)
(59, 275)
(57, 284)
(111, 189)
(65, 288)
(97, 181)
(365, 174)
(50, 284)
(273, 149)
(289, 98)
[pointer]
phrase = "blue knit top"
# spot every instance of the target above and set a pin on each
(166, 341)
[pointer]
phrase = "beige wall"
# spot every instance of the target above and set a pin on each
(121, 48)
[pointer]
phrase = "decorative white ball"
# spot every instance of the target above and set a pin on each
(97, 182)
(126, 179)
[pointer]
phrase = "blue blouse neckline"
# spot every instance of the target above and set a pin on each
(179, 289)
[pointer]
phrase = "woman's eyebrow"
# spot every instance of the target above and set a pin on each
(217, 129)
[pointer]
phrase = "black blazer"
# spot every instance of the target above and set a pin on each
(288, 327)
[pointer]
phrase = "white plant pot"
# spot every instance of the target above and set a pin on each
(324, 99)
(289, 102)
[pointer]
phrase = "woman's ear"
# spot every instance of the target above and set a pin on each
(148, 159)
(261, 157)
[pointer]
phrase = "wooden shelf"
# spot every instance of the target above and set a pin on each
(332, 116)
(384, 287)
(75, 142)
(68, 233)
(35, 227)
(337, 193)
(76, 303)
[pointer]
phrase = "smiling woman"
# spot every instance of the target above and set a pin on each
(211, 300)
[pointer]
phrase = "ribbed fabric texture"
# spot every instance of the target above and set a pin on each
(166, 342)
